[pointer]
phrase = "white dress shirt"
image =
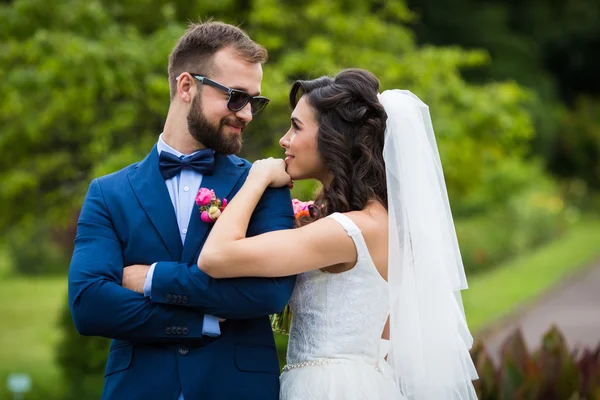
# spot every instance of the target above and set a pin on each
(182, 190)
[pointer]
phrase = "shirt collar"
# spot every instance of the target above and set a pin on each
(163, 146)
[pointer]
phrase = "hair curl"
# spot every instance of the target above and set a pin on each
(349, 140)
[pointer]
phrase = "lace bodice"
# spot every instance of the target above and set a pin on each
(342, 315)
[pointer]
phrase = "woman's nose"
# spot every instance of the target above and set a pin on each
(284, 141)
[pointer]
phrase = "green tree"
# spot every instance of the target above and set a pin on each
(84, 91)
(548, 46)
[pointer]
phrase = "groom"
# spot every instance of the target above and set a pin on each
(179, 334)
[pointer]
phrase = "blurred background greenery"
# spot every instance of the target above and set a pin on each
(512, 87)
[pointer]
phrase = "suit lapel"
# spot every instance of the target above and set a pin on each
(228, 170)
(153, 195)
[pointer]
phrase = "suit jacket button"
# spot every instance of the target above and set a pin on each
(184, 300)
(183, 350)
(185, 330)
(179, 330)
(168, 330)
(168, 298)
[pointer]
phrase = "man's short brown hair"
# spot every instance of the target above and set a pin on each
(195, 49)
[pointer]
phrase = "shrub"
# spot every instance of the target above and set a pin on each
(550, 373)
(577, 149)
(534, 213)
(82, 360)
(36, 248)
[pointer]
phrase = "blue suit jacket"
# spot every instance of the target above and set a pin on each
(158, 348)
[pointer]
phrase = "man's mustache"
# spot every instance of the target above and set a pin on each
(237, 122)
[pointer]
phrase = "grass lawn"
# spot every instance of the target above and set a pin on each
(29, 312)
(494, 294)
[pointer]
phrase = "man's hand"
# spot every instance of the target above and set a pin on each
(134, 277)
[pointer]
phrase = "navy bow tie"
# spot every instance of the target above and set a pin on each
(202, 162)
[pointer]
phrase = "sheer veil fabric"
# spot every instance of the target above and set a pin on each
(429, 336)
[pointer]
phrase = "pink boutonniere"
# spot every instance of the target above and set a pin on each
(210, 205)
(301, 208)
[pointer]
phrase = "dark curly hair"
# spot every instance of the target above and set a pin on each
(350, 140)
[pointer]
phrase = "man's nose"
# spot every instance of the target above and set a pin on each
(245, 113)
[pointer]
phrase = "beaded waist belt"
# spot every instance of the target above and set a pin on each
(324, 361)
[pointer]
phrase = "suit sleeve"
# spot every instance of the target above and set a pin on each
(235, 298)
(99, 305)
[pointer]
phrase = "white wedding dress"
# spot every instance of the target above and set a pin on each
(335, 350)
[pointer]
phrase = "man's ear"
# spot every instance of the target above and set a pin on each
(186, 87)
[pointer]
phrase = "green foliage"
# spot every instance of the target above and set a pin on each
(82, 360)
(5, 263)
(549, 47)
(577, 153)
(552, 372)
(79, 99)
(534, 213)
(33, 248)
(477, 126)
(84, 91)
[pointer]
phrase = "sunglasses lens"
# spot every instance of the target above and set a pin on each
(258, 104)
(238, 100)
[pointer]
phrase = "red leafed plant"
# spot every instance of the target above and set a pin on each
(550, 373)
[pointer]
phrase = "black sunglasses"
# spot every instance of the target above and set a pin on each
(237, 98)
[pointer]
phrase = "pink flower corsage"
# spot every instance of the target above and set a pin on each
(301, 208)
(210, 205)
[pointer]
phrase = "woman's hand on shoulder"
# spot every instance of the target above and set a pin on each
(272, 170)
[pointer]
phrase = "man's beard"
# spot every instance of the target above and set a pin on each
(212, 136)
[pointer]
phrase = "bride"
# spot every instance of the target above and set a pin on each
(377, 306)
